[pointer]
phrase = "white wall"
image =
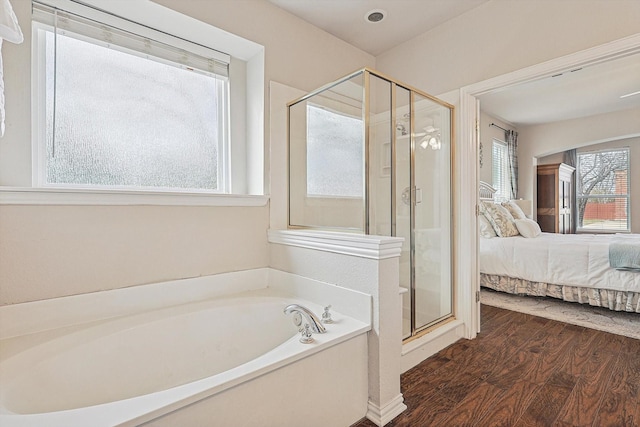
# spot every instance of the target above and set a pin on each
(541, 140)
(51, 251)
(502, 36)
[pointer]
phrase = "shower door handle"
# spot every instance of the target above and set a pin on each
(415, 192)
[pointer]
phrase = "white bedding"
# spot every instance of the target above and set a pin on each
(563, 259)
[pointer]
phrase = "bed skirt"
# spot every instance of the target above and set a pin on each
(613, 300)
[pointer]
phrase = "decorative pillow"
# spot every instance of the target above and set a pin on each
(515, 210)
(528, 227)
(486, 229)
(500, 219)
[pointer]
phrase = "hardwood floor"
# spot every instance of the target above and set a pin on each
(524, 370)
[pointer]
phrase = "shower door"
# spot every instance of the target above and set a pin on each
(409, 178)
(421, 209)
(431, 291)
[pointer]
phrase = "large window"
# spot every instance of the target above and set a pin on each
(121, 110)
(603, 190)
(500, 170)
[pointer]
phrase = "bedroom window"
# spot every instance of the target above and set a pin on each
(500, 171)
(603, 190)
(122, 106)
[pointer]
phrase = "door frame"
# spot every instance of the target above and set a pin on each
(468, 166)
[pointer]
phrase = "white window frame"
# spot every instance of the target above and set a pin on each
(247, 102)
(626, 196)
(501, 184)
(39, 161)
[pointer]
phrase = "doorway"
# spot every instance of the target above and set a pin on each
(470, 130)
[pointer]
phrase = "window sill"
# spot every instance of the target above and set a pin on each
(589, 231)
(39, 196)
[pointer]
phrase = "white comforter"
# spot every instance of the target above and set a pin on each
(561, 259)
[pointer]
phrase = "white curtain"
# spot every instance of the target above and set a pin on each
(9, 31)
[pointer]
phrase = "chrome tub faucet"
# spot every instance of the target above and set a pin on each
(299, 312)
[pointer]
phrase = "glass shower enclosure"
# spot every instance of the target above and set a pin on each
(369, 154)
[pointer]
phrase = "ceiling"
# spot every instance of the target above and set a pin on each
(579, 93)
(585, 92)
(404, 19)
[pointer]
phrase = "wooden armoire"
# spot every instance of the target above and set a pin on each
(555, 185)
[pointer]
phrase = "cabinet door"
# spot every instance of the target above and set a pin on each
(546, 203)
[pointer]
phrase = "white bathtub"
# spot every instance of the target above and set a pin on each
(228, 360)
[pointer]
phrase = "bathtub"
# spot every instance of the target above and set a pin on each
(213, 357)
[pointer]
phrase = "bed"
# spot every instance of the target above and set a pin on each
(571, 267)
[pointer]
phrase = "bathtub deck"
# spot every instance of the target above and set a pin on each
(48, 369)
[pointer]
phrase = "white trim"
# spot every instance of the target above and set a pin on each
(39, 196)
(608, 51)
(467, 231)
(626, 195)
(247, 77)
(382, 415)
(38, 109)
(416, 351)
(39, 99)
(363, 246)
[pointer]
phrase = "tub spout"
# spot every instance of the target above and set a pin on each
(309, 317)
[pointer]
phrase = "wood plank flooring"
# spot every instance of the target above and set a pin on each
(525, 371)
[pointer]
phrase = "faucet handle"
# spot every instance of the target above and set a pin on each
(306, 335)
(326, 316)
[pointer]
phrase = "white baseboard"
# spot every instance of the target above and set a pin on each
(382, 415)
(429, 344)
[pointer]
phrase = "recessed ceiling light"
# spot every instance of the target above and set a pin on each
(374, 16)
(630, 94)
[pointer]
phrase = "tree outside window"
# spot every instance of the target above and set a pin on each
(603, 190)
